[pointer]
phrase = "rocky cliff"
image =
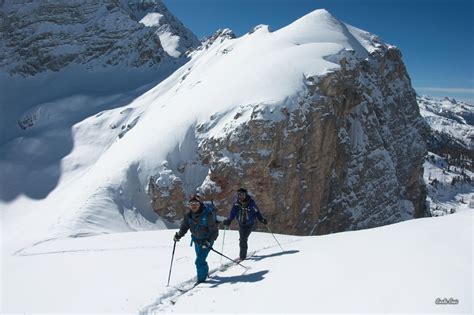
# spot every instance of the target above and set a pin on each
(346, 154)
(48, 35)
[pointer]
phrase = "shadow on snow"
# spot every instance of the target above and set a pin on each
(244, 278)
(260, 257)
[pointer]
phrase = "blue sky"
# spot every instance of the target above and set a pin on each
(436, 37)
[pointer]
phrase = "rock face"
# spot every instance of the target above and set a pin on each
(48, 35)
(349, 157)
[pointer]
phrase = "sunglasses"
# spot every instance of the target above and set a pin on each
(193, 203)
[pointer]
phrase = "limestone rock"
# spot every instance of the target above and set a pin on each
(349, 156)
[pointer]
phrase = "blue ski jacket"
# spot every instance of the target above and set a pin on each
(245, 212)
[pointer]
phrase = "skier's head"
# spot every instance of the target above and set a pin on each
(242, 194)
(194, 202)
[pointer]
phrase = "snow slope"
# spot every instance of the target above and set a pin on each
(402, 268)
(444, 196)
(89, 173)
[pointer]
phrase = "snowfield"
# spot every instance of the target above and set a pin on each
(400, 268)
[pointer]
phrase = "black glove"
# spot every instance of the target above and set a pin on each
(176, 237)
(226, 222)
(264, 221)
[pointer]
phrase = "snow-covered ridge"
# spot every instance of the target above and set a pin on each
(99, 181)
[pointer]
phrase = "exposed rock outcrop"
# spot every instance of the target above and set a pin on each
(349, 156)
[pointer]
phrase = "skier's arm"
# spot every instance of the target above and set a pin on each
(212, 225)
(183, 228)
(232, 215)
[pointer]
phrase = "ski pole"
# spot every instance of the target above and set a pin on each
(223, 238)
(228, 258)
(274, 237)
(171, 266)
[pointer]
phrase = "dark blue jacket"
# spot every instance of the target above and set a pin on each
(245, 212)
(202, 224)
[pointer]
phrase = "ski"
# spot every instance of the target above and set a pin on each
(236, 261)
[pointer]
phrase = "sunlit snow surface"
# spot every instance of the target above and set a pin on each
(399, 268)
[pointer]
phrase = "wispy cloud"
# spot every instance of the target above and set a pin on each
(445, 90)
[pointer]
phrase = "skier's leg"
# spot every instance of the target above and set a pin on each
(244, 232)
(202, 267)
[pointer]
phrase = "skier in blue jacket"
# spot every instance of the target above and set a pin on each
(204, 231)
(246, 211)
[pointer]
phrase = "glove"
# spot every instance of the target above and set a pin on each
(226, 222)
(264, 221)
(176, 237)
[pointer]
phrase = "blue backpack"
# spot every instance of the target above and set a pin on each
(208, 207)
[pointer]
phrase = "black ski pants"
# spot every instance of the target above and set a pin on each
(244, 232)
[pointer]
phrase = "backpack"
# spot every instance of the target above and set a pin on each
(208, 208)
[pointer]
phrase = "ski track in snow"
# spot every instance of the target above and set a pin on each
(171, 297)
(22, 253)
(177, 291)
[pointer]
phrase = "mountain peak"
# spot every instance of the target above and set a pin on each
(320, 26)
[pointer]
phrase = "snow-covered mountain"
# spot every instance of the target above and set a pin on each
(58, 50)
(318, 120)
(49, 35)
(449, 165)
(451, 121)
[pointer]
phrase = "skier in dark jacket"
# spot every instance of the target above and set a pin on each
(246, 211)
(204, 231)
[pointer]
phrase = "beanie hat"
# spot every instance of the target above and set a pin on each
(242, 190)
(195, 197)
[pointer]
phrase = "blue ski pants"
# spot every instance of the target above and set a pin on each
(202, 267)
